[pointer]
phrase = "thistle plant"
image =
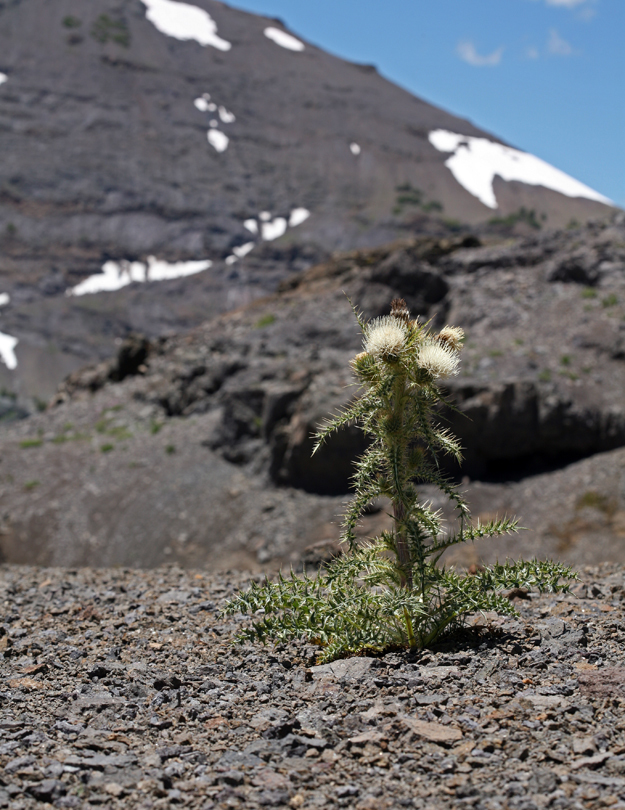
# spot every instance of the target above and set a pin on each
(392, 590)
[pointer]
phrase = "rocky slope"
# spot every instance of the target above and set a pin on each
(122, 689)
(134, 130)
(197, 448)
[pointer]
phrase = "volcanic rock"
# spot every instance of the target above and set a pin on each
(202, 454)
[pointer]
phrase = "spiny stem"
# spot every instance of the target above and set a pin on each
(399, 508)
(411, 636)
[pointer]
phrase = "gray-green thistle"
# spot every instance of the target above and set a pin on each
(391, 591)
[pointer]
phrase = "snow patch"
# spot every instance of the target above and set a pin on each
(243, 250)
(274, 229)
(4, 299)
(354, 148)
(298, 215)
(270, 227)
(226, 117)
(219, 140)
(116, 275)
(476, 161)
(3, 78)
(283, 39)
(231, 259)
(184, 21)
(7, 350)
(163, 271)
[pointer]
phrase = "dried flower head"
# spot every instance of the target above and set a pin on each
(452, 336)
(386, 337)
(399, 309)
(439, 360)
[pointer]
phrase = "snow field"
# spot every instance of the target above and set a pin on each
(218, 139)
(3, 78)
(243, 250)
(269, 229)
(283, 39)
(116, 275)
(298, 215)
(185, 22)
(7, 350)
(476, 161)
(226, 117)
(274, 229)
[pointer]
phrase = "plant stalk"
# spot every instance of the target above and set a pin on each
(409, 627)
(399, 509)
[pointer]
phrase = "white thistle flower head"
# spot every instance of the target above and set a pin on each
(386, 337)
(439, 360)
(452, 337)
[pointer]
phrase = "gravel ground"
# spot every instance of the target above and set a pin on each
(121, 688)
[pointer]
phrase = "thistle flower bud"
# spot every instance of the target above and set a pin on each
(399, 310)
(386, 337)
(360, 361)
(439, 361)
(452, 337)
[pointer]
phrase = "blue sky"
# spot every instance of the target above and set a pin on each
(547, 76)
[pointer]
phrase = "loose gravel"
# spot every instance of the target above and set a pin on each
(121, 688)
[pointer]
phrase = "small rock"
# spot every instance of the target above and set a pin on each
(344, 791)
(368, 737)
(584, 746)
(232, 778)
(591, 762)
(266, 778)
(167, 682)
(47, 790)
(350, 668)
(434, 732)
(607, 682)
(272, 798)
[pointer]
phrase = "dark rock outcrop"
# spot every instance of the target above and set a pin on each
(204, 453)
(543, 377)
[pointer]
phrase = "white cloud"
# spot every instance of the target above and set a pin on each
(586, 7)
(587, 13)
(558, 46)
(532, 52)
(567, 3)
(467, 52)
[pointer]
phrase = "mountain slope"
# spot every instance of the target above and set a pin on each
(197, 448)
(138, 128)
